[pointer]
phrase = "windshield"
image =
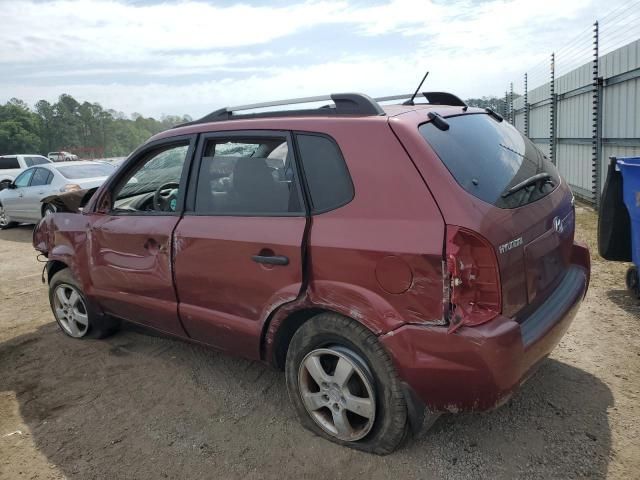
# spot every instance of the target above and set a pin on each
(31, 161)
(487, 158)
(86, 171)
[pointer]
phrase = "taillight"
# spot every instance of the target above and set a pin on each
(472, 277)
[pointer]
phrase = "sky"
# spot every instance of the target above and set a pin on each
(192, 57)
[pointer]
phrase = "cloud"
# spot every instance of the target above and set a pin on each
(192, 56)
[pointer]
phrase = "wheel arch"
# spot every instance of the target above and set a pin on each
(53, 267)
(356, 303)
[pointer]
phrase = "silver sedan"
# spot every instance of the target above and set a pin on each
(21, 201)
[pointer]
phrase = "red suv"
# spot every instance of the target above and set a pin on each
(396, 262)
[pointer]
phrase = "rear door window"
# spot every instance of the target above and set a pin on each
(487, 158)
(42, 176)
(325, 171)
(247, 176)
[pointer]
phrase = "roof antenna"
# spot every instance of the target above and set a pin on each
(410, 101)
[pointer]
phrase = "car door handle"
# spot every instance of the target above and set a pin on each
(271, 259)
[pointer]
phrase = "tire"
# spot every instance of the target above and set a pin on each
(74, 315)
(335, 348)
(5, 220)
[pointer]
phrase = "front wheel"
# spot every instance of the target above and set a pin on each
(72, 311)
(48, 209)
(343, 385)
(5, 220)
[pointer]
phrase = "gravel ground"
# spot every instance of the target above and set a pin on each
(142, 406)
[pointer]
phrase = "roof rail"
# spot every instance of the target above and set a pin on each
(434, 98)
(345, 104)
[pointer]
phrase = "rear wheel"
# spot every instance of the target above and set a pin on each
(5, 220)
(343, 385)
(73, 313)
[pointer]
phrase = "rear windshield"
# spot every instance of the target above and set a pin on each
(86, 171)
(487, 158)
(31, 161)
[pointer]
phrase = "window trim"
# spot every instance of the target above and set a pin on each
(312, 209)
(140, 155)
(192, 189)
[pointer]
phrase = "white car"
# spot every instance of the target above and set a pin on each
(12, 165)
(21, 201)
(62, 156)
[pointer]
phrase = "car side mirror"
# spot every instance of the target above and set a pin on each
(12, 186)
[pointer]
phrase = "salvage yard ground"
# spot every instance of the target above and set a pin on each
(139, 405)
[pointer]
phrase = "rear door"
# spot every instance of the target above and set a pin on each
(130, 239)
(238, 248)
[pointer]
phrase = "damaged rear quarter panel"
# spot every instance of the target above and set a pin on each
(392, 215)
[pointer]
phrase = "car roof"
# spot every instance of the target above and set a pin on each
(416, 114)
(23, 155)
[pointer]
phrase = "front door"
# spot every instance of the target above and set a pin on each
(130, 238)
(13, 200)
(239, 244)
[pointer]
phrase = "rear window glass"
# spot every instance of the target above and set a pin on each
(326, 173)
(487, 158)
(31, 161)
(86, 171)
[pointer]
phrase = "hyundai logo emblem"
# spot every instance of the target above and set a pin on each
(558, 226)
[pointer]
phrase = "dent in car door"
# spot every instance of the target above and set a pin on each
(238, 253)
(131, 255)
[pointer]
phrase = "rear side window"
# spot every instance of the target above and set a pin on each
(247, 176)
(487, 158)
(326, 173)
(7, 163)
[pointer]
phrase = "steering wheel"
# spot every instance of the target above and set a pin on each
(165, 197)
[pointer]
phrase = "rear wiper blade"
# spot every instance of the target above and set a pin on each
(528, 182)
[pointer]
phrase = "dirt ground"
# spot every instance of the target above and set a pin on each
(142, 406)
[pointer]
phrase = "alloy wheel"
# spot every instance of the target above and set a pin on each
(336, 390)
(4, 220)
(70, 310)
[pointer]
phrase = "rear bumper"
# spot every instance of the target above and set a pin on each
(479, 368)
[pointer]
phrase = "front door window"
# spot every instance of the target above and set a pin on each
(154, 185)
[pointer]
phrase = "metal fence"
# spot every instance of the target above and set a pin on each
(585, 102)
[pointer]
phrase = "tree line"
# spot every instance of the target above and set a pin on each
(86, 129)
(90, 131)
